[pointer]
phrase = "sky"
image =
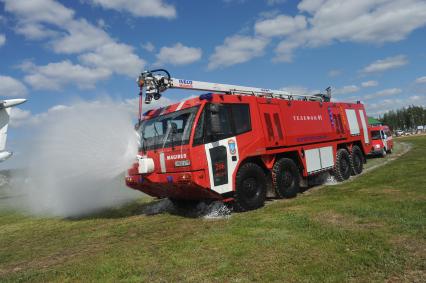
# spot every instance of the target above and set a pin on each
(54, 52)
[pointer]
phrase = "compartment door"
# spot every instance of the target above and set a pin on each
(270, 115)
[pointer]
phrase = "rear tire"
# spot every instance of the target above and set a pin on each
(389, 151)
(342, 168)
(285, 178)
(357, 161)
(250, 186)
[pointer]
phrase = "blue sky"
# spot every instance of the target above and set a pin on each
(54, 51)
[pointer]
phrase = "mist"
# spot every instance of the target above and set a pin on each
(76, 161)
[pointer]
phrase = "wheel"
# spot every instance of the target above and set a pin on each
(389, 151)
(285, 178)
(357, 160)
(383, 153)
(250, 192)
(342, 168)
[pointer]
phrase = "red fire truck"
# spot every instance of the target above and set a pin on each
(239, 144)
(381, 140)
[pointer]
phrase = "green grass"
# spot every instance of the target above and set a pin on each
(370, 229)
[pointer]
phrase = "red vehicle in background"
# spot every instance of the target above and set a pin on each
(381, 140)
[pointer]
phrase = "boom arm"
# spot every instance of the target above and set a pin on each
(156, 83)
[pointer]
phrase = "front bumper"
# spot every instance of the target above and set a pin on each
(181, 185)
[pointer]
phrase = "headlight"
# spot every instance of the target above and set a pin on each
(377, 145)
(181, 163)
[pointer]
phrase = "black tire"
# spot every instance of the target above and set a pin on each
(285, 178)
(389, 151)
(383, 153)
(342, 168)
(250, 186)
(357, 161)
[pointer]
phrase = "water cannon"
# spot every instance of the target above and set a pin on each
(153, 83)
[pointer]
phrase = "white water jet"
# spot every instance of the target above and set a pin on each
(77, 160)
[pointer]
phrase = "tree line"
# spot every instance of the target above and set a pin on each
(405, 118)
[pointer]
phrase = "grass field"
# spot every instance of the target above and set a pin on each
(370, 229)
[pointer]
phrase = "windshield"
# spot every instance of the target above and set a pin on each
(375, 135)
(173, 129)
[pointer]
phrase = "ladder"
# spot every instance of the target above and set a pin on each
(155, 84)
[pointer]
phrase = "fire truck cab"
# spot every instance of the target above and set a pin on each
(241, 148)
(381, 140)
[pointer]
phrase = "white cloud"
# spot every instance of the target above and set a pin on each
(35, 31)
(47, 11)
(334, 73)
(116, 57)
(300, 90)
(384, 105)
(383, 93)
(281, 25)
(2, 39)
(363, 21)
(140, 8)
(237, 49)
(322, 22)
(100, 55)
(148, 46)
(81, 36)
(386, 64)
(178, 54)
(369, 83)
(54, 76)
(421, 80)
(275, 2)
(11, 87)
(18, 117)
(346, 89)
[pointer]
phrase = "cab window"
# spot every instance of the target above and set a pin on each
(220, 121)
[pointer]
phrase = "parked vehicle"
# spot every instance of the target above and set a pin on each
(399, 133)
(381, 140)
(239, 144)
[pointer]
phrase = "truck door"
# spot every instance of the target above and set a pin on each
(270, 115)
(222, 123)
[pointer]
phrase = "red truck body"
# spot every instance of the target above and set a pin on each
(217, 138)
(381, 140)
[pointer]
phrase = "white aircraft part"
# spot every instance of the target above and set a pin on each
(353, 122)
(5, 155)
(319, 158)
(146, 165)
(4, 121)
(364, 126)
(231, 164)
(11, 102)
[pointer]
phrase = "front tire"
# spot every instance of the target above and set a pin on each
(342, 168)
(250, 190)
(285, 178)
(357, 161)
